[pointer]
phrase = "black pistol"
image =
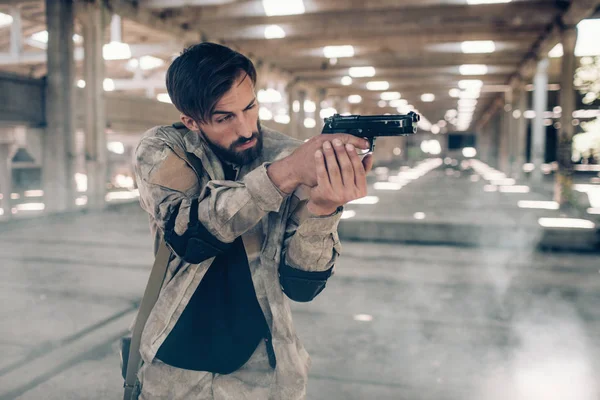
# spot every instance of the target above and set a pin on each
(371, 126)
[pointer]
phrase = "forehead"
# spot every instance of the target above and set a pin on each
(240, 94)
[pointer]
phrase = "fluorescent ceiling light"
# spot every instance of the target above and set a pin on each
(309, 106)
(268, 96)
(398, 103)
(469, 152)
(282, 119)
(566, 223)
(5, 20)
(360, 72)
(265, 114)
(150, 62)
(346, 81)
(478, 46)
(327, 112)
(163, 98)
(487, 1)
(354, 99)
(588, 32)
(454, 92)
(390, 96)
(108, 85)
(116, 51)
(280, 7)
(544, 205)
(338, 51)
(274, 32)
(378, 85)
(310, 123)
(427, 97)
(81, 83)
(473, 69)
(366, 200)
(470, 84)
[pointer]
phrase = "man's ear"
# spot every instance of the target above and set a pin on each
(189, 123)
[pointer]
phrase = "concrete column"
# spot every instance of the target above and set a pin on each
(59, 157)
(5, 179)
(540, 103)
(292, 95)
(16, 32)
(320, 97)
(521, 134)
(92, 17)
(301, 129)
(504, 138)
(564, 177)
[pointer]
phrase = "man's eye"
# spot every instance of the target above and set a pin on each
(227, 118)
(252, 106)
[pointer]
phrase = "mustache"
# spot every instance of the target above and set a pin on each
(242, 141)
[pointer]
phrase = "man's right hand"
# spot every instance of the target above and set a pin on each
(300, 168)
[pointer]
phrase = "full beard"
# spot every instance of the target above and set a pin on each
(243, 157)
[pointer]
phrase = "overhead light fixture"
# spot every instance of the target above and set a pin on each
(279, 7)
(473, 69)
(310, 123)
(81, 83)
(354, 99)
(390, 96)
(346, 81)
(282, 119)
(478, 46)
(588, 32)
(427, 97)
(269, 95)
(163, 98)
(116, 51)
(470, 84)
(398, 103)
(327, 112)
(265, 114)
(274, 32)
(108, 85)
(382, 103)
(150, 62)
(454, 92)
(338, 51)
(309, 106)
(556, 52)
(361, 72)
(566, 223)
(378, 85)
(5, 20)
(487, 1)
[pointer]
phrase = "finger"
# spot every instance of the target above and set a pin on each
(368, 162)
(355, 141)
(346, 168)
(333, 168)
(359, 169)
(322, 176)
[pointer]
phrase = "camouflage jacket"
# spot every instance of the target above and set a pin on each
(276, 230)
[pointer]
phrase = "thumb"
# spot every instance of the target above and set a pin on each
(367, 162)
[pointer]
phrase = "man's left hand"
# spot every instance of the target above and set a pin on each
(341, 177)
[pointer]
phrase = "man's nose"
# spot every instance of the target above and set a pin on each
(245, 128)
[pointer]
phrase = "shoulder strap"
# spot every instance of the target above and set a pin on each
(151, 293)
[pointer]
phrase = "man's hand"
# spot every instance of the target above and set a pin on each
(341, 177)
(299, 167)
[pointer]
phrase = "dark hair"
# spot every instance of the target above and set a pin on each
(202, 74)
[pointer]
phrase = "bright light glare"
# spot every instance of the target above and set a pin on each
(361, 72)
(348, 214)
(116, 51)
(354, 99)
(514, 189)
(490, 188)
(419, 215)
(327, 112)
(338, 51)
(282, 119)
(469, 152)
(265, 114)
(363, 317)
(81, 83)
(378, 85)
(366, 200)
(269, 95)
(478, 46)
(122, 195)
(473, 69)
(387, 186)
(566, 223)
(388, 96)
(149, 62)
(116, 147)
(487, 1)
(108, 85)
(81, 182)
(543, 205)
(164, 98)
(454, 92)
(310, 123)
(33, 193)
(346, 81)
(6, 20)
(309, 106)
(427, 97)
(30, 207)
(588, 32)
(274, 32)
(287, 7)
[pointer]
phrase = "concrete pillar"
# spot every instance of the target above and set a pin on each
(59, 157)
(520, 134)
(540, 103)
(292, 95)
(5, 179)
(301, 129)
(92, 17)
(16, 32)
(564, 177)
(504, 139)
(320, 97)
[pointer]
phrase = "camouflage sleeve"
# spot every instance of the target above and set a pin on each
(169, 189)
(311, 248)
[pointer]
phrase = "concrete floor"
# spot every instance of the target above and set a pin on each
(445, 322)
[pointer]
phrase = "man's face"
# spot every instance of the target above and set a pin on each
(234, 131)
